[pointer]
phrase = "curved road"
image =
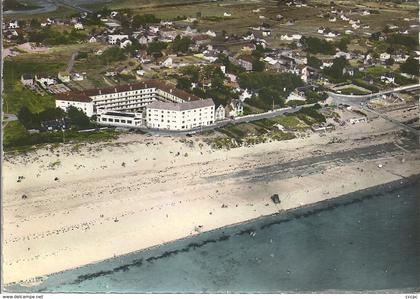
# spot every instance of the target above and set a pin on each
(9, 117)
(357, 99)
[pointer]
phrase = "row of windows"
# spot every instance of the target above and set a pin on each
(111, 120)
(183, 112)
(139, 91)
(183, 127)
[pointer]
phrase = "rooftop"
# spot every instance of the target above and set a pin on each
(181, 106)
(85, 96)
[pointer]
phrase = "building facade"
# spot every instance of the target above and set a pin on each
(84, 104)
(134, 101)
(180, 116)
(120, 119)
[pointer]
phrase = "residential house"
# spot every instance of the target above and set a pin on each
(245, 95)
(125, 43)
(154, 29)
(27, 79)
(92, 39)
(266, 32)
(211, 33)
(321, 30)
(115, 38)
(201, 39)
(13, 24)
(245, 61)
(346, 55)
(45, 80)
(168, 62)
(290, 37)
(143, 40)
(388, 78)
(168, 33)
(77, 77)
(220, 113)
(248, 47)
(296, 96)
(235, 108)
(332, 34)
(78, 26)
(189, 31)
(64, 77)
(384, 56)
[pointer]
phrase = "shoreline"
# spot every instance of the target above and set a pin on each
(46, 233)
(108, 266)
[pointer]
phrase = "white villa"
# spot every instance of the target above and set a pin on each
(220, 113)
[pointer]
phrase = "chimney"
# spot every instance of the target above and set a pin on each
(115, 89)
(170, 90)
(100, 91)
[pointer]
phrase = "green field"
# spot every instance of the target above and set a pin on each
(16, 95)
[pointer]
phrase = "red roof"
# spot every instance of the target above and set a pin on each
(84, 96)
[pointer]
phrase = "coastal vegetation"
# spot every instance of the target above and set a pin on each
(17, 138)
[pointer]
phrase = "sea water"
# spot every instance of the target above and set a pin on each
(364, 241)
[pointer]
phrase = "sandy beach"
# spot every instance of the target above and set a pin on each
(79, 205)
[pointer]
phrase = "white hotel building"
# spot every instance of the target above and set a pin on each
(123, 105)
(180, 116)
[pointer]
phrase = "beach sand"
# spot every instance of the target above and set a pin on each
(79, 205)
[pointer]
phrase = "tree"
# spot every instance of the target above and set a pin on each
(230, 66)
(258, 52)
(183, 83)
(141, 20)
(411, 66)
(113, 54)
(217, 79)
(35, 24)
(400, 40)
(271, 97)
(258, 65)
(156, 47)
(27, 118)
(342, 43)
(181, 44)
(314, 62)
(335, 72)
(192, 72)
(51, 114)
(78, 118)
(390, 61)
(315, 45)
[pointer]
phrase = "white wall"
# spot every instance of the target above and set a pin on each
(179, 120)
(86, 107)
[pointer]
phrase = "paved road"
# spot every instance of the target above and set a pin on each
(72, 5)
(71, 62)
(357, 99)
(9, 117)
(237, 120)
